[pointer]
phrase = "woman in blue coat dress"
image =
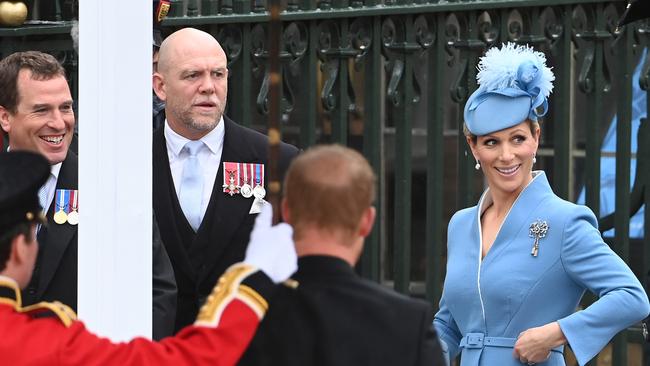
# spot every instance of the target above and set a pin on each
(520, 260)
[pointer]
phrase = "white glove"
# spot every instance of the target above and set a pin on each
(271, 248)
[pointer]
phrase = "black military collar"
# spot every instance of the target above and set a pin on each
(322, 266)
(9, 292)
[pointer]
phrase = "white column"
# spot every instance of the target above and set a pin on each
(115, 167)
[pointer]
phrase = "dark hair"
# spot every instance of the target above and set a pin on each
(42, 65)
(24, 228)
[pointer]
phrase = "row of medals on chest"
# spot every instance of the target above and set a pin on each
(246, 190)
(62, 203)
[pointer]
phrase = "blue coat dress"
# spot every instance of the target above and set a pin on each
(487, 303)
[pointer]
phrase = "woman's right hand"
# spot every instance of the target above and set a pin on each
(534, 345)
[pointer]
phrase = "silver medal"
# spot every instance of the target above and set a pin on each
(259, 192)
(246, 190)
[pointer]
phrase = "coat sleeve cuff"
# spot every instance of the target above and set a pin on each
(583, 351)
(259, 286)
(241, 282)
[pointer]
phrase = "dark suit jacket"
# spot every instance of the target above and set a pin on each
(336, 318)
(55, 272)
(200, 258)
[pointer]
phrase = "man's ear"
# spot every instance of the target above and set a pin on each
(18, 251)
(367, 221)
(286, 215)
(158, 83)
(5, 119)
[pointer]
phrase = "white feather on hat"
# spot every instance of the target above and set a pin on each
(514, 85)
(499, 69)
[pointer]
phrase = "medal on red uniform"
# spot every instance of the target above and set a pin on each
(61, 202)
(231, 178)
(73, 215)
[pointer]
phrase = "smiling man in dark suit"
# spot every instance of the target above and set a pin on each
(36, 112)
(205, 214)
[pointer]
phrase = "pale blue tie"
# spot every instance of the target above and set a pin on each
(42, 198)
(191, 190)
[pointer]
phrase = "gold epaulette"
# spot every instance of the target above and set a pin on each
(65, 314)
(228, 288)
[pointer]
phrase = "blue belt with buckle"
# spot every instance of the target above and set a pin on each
(479, 340)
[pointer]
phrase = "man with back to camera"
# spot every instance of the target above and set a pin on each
(326, 314)
(36, 112)
(221, 332)
(209, 172)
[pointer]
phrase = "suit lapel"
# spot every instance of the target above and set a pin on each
(225, 212)
(55, 238)
(169, 205)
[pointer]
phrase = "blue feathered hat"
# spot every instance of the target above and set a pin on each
(514, 85)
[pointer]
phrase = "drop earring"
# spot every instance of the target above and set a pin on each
(478, 165)
(534, 159)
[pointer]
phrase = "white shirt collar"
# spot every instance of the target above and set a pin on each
(213, 140)
(55, 169)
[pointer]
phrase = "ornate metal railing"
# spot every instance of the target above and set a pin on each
(390, 78)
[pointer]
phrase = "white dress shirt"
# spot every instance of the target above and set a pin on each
(209, 158)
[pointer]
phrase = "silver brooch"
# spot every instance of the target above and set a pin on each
(537, 230)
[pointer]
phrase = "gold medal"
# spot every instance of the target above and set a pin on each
(60, 217)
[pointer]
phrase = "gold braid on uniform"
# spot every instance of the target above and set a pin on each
(228, 288)
(62, 311)
(11, 296)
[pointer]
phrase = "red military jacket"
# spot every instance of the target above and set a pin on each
(221, 333)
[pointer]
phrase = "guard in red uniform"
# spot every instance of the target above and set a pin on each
(49, 334)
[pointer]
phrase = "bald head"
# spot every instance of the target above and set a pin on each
(186, 41)
(192, 80)
(329, 187)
